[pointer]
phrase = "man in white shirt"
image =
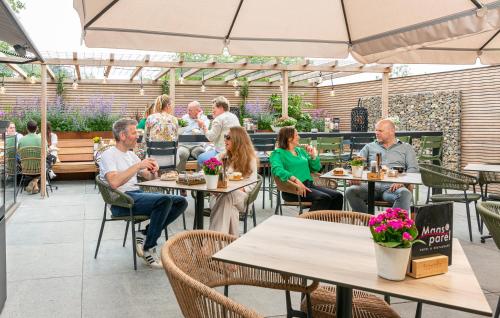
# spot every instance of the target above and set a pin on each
(223, 120)
(119, 168)
(194, 149)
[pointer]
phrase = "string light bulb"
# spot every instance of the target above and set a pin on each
(225, 51)
(332, 92)
(32, 79)
(203, 88)
(181, 80)
(235, 83)
(2, 89)
(105, 80)
(320, 78)
(75, 84)
(141, 90)
(237, 93)
(281, 88)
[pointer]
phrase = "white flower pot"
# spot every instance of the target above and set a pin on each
(211, 181)
(357, 171)
(391, 262)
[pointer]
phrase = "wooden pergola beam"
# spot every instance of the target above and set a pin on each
(108, 67)
(77, 67)
(262, 75)
(222, 71)
(18, 70)
(161, 74)
(51, 73)
(139, 68)
(203, 65)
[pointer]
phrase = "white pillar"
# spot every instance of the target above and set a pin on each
(172, 87)
(385, 94)
(284, 94)
(43, 131)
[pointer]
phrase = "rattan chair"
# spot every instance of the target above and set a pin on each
(118, 198)
(30, 166)
(324, 297)
(288, 187)
(187, 259)
(441, 178)
(427, 146)
(490, 213)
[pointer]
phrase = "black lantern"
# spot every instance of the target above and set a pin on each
(359, 118)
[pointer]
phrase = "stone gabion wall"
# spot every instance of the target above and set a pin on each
(434, 111)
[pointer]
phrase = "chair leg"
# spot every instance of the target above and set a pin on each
(263, 187)
(278, 203)
(126, 232)
(100, 232)
(468, 216)
(166, 233)
(184, 220)
(478, 218)
(245, 220)
(254, 216)
(132, 229)
(497, 312)
(300, 205)
(20, 188)
(387, 299)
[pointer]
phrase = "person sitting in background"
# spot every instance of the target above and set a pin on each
(223, 120)
(240, 156)
(148, 111)
(289, 162)
(32, 139)
(162, 126)
(193, 149)
(394, 153)
(11, 131)
(52, 147)
(119, 168)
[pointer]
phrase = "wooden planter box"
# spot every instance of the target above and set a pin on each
(83, 134)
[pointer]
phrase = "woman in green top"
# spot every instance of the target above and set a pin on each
(149, 110)
(292, 163)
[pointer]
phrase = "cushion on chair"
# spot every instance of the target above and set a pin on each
(455, 197)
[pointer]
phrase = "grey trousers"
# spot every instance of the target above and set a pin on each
(183, 153)
(226, 208)
(356, 195)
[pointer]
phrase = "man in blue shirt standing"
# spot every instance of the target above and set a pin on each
(394, 153)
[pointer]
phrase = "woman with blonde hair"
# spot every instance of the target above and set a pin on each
(240, 157)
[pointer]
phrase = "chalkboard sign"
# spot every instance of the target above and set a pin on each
(435, 227)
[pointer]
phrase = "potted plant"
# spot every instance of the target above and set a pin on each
(97, 142)
(283, 122)
(393, 234)
(357, 166)
(212, 168)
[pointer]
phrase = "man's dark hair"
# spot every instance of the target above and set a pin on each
(32, 126)
(284, 135)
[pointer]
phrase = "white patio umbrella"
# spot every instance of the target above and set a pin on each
(323, 28)
(485, 46)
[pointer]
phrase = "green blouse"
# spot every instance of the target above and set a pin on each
(142, 124)
(284, 164)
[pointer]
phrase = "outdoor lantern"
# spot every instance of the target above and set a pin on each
(225, 51)
(105, 80)
(75, 84)
(335, 124)
(332, 92)
(203, 88)
(32, 79)
(141, 91)
(181, 80)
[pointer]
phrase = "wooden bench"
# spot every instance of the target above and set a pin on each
(75, 155)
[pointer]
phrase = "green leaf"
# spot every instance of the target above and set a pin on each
(389, 244)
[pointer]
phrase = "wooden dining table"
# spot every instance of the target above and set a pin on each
(405, 178)
(344, 255)
(200, 190)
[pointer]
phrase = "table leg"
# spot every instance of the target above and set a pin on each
(198, 210)
(371, 197)
(344, 302)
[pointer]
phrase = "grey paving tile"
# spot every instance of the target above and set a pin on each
(141, 294)
(49, 214)
(44, 261)
(52, 297)
(44, 233)
(484, 262)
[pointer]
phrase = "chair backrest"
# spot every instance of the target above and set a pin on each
(330, 144)
(490, 213)
(264, 144)
(163, 148)
(187, 260)
(113, 197)
(305, 140)
(30, 160)
(286, 186)
(428, 144)
(486, 177)
(406, 139)
(10, 156)
(438, 177)
(357, 143)
(345, 217)
(252, 195)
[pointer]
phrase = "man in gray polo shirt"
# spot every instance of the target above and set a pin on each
(394, 153)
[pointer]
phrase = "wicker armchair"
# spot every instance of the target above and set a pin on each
(30, 166)
(118, 198)
(187, 259)
(441, 178)
(323, 299)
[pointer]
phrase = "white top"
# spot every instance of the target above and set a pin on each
(114, 159)
(53, 139)
(220, 127)
(192, 124)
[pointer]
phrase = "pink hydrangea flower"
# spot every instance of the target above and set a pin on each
(381, 228)
(407, 236)
(395, 224)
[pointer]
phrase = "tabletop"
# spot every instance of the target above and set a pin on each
(409, 178)
(231, 185)
(482, 167)
(344, 254)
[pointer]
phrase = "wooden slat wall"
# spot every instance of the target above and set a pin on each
(126, 96)
(480, 89)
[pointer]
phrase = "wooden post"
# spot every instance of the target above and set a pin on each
(172, 88)
(385, 94)
(284, 94)
(43, 131)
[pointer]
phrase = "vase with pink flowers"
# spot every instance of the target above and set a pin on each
(393, 233)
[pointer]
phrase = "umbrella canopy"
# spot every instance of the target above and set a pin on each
(485, 46)
(322, 28)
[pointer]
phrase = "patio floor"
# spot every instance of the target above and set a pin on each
(51, 270)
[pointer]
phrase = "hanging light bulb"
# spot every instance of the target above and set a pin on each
(75, 84)
(235, 83)
(2, 89)
(141, 90)
(237, 93)
(332, 92)
(203, 88)
(181, 80)
(32, 79)
(225, 51)
(281, 88)
(320, 78)
(105, 80)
